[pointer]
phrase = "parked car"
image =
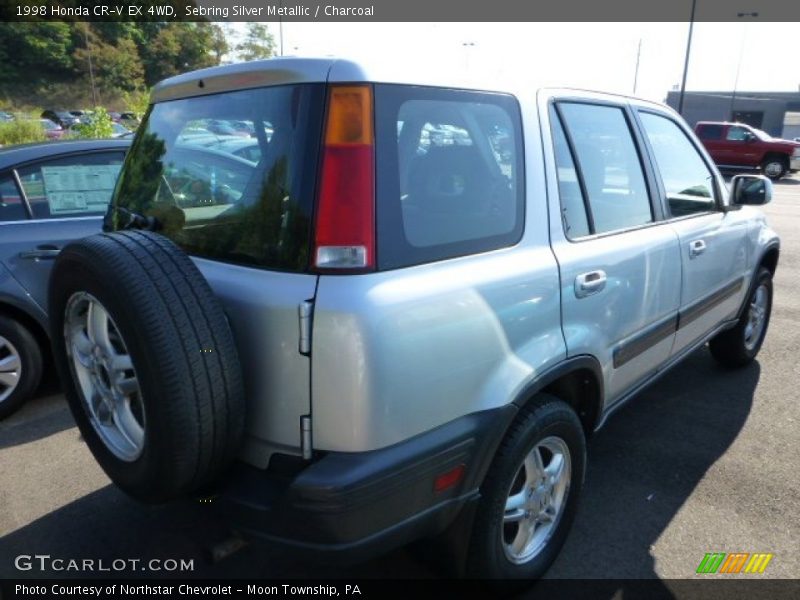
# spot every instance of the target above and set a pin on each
(129, 120)
(247, 148)
(120, 130)
(739, 146)
(53, 131)
(83, 115)
(227, 128)
(370, 345)
(62, 117)
(65, 189)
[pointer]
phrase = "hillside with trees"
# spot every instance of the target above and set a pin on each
(75, 64)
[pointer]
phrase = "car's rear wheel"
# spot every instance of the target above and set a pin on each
(148, 363)
(20, 365)
(774, 167)
(529, 498)
(738, 346)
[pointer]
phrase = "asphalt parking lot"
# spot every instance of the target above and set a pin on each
(703, 461)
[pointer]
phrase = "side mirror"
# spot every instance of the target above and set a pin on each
(750, 189)
(749, 138)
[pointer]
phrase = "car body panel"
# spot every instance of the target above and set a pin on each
(262, 309)
(400, 352)
(21, 240)
(27, 247)
(721, 269)
(14, 295)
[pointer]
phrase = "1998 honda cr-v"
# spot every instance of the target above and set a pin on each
(409, 313)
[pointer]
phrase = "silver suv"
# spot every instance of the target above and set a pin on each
(406, 314)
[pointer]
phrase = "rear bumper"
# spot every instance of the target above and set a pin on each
(349, 506)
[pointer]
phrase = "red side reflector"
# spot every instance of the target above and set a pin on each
(449, 479)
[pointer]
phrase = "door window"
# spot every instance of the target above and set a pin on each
(71, 186)
(687, 179)
(609, 165)
(11, 206)
(738, 134)
(573, 210)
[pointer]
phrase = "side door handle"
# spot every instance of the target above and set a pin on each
(43, 252)
(590, 283)
(696, 248)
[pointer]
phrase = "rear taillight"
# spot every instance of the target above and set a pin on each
(345, 222)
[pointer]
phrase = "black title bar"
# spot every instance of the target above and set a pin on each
(391, 11)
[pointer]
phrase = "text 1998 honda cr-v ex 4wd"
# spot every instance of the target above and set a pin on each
(406, 309)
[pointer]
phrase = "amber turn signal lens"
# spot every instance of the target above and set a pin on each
(349, 115)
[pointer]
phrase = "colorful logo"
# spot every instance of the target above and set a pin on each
(736, 562)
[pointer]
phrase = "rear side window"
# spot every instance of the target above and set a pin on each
(609, 165)
(230, 176)
(449, 173)
(11, 206)
(687, 179)
(710, 132)
(79, 185)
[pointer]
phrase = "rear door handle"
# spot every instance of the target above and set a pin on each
(696, 248)
(590, 283)
(43, 252)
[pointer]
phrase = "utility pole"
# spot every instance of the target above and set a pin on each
(280, 29)
(741, 52)
(467, 46)
(636, 70)
(91, 66)
(686, 61)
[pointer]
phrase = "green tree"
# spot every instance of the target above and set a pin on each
(180, 47)
(136, 102)
(35, 51)
(116, 66)
(98, 127)
(257, 44)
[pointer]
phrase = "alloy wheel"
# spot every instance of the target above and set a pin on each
(105, 375)
(10, 368)
(536, 500)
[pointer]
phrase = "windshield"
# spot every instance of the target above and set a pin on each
(229, 176)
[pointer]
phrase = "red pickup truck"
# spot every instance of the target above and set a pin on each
(739, 146)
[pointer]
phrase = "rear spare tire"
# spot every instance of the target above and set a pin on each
(148, 363)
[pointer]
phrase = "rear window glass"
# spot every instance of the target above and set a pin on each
(230, 176)
(449, 173)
